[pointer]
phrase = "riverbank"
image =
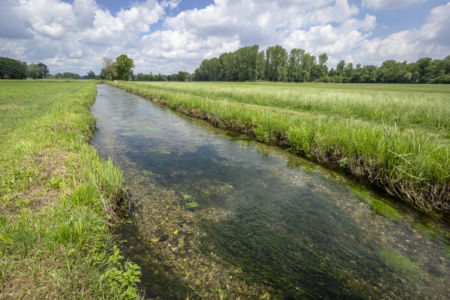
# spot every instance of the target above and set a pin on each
(218, 215)
(59, 201)
(401, 152)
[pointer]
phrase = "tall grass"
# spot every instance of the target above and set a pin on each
(58, 199)
(419, 106)
(392, 137)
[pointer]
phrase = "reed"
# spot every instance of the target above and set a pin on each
(394, 136)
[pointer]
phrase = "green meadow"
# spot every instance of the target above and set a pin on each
(59, 202)
(397, 137)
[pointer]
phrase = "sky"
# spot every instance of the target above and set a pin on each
(166, 36)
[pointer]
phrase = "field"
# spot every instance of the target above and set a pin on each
(395, 136)
(58, 199)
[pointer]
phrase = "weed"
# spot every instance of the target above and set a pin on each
(394, 137)
(58, 198)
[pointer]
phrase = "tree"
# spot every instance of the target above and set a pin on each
(323, 58)
(109, 69)
(33, 71)
(182, 76)
(424, 69)
(124, 67)
(91, 74)
(43, 70)
(294, 65)
(340, 68)
(260, 65)
(308, 62)
(226, 66)
(67, 75)
(276, 63)
(245, 61)
(12, 69)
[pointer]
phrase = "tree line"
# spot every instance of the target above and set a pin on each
(16, 69)
(276, 64)
(180, 76)
(249, 64)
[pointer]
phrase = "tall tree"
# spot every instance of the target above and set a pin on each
(12, 69)
(91, 74)
(424, 68)
(323, 58)
(308, 62)
(43, 70)
(276, 63)
(109, 69)
(245, 61)
(124, 67)
(33, 71)
(294, 65)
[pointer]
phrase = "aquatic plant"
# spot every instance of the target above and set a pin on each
(394, 137)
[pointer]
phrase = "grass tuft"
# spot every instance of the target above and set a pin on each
(58, 198)
(395, 137)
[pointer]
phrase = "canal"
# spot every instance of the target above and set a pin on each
(216, 215)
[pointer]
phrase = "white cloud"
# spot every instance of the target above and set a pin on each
(432, 39)
(336, 41)
(75, 36)
(172, 4)
(294, 24)
(388, 4)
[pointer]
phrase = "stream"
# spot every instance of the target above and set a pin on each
(216, 215)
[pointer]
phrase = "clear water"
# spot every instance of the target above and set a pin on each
(216, 215)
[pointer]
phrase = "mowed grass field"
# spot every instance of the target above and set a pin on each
(58, 199)
(395, 136)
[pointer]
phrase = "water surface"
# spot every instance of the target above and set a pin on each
(217, 215)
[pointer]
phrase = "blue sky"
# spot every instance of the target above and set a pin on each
(165, 36)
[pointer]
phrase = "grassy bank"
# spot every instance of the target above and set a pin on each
(58, 200)
(394, 136)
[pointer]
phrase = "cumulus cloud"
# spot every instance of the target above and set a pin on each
(75, 36)
(66, 35)
(432, 39)
(388, 4)
(294, 24)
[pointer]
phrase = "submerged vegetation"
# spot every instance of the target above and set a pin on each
(58, 199)
(218, 215)
(396, 137)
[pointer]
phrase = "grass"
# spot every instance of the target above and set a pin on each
(58, 199)
(394, 136)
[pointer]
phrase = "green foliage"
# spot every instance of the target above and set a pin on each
(124, 66)
(109, 70)
(275, 65)
(119, 282)
(91, 74)
(12, 69)
(36, 71)
(67, 75)
(240, 65)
